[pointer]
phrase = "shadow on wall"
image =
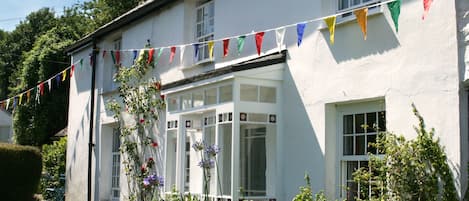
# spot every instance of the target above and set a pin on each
(300, 141)
(349, 43)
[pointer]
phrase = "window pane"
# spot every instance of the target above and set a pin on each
(226, 93)
(210, 96)
(253, 164)
(352, 189)
(173, 104)
(186, 101)
(267, 94)
(359, 123)
(371, 139)
(348, 145)
(198, 98)
(348, 124)
(200, 13)
(360, 146)
(257, 117)
(225, 133)
(371, 123)
(355, 2)
(382, 121)
(249, 92)
(343, 4)
(352, 166)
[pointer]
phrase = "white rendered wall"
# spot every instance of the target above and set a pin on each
(418, 65)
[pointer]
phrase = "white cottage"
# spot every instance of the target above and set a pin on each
(279, 114)
(6, 124)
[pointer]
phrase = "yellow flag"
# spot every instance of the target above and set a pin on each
(210, 48)
(330, 22)
(21, 99)
(361, 16)
(64, 75)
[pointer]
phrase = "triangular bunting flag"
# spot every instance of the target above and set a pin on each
(426, 7)
(210, 49)
(361, 16)
(196, 50)
(37, 95)
(300, 30)
(72, 69)
(49, 84)
(113, 57)
(135, 56)
(226, 44)
(118, 57)
(241, 40)
(14, 102)
(28, 95)
(8, 104)
(104, 53)
(159, 55)
(151, 52)
(181, 55)
(64, 75)
(395, 10)
(280, 36)
(173, 52)
(41, 88)
(57, 80)
(259, 38)
(330, 22)
(20, 99)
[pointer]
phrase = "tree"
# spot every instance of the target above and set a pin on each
(36, 122)
(103, 11)
(409, 170)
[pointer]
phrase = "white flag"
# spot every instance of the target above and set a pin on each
(183, 48)
(8, 104)
(280, 36)
(49, 84)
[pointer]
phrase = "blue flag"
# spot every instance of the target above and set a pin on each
(196, 50)
(300, 29)
(57, 80)
(135, 56)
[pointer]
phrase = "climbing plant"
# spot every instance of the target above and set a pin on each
(138, 112)
(408, 170)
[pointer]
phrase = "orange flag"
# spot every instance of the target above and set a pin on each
(361, 16)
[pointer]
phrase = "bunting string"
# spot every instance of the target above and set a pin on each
(239, 40)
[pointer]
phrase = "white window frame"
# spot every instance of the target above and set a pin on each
(343, 159)
(207, 30)
(349, 16)
(115, 167)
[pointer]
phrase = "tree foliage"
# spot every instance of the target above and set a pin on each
(53, 167)
(409, 170)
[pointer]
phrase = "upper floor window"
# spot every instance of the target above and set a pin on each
(255, 93)
(344, 5)
(204, 28)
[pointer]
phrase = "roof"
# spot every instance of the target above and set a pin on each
(135, 14)
(266, 60)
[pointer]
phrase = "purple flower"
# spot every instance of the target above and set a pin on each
(212, 150)
(198, 146)
(153, 180)
(146, 181)
(207, 163)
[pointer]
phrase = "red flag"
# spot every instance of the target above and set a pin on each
(259, 38)
(104, 53)
(426, 7)
(150, 55)
(173, 52)
(226, 43)
(72, 69)
(118, 57)
(41, 88)
(28, 94)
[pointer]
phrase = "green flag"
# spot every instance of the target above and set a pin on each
(241, 43)
(159, 55)
(395, 10)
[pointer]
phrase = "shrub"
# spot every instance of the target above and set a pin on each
(53, 164)
(20, 171)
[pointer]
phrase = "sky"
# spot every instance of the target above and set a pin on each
(13, 11)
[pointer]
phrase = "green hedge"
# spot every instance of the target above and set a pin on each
(20, 171)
